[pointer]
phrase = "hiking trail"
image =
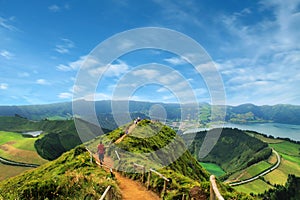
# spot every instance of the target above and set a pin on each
(130, 129)
(130, 189)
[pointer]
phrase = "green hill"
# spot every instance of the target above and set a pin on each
(143, 146)
(234, 150)
(58, 136)
(71, 176)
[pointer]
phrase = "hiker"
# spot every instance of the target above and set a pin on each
(101, 152)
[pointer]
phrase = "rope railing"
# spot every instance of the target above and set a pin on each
(214, 191)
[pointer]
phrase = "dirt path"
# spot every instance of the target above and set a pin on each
(130, 189)
(130, 129)
(134, 190)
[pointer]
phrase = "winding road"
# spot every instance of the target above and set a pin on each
(260, 174)
(14, 163)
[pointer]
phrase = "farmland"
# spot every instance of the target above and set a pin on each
(290, 164)
(15, 147)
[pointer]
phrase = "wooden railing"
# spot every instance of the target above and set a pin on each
(105, 193)
(214, 191)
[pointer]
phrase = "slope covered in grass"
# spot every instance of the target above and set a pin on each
(146, 145)
(71, 176)
(233, 151)
(58, 136)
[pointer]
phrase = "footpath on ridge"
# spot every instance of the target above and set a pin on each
(130, 189)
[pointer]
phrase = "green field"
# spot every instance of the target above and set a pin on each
(14, 146)
(290, 164)
(251, 171)
(213, 169)
(255, 187)
(287, 148)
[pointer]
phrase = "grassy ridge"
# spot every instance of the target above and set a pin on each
(233, 151)
(71, 176)
(149, 137)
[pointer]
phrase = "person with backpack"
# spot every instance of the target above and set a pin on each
(101, 152)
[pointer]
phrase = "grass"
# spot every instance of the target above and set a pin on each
(287, 148)
(213, 169)
(255, 187)
(71, 176)
(251, 171)
(290, 164)
(265, 139)
(7, 171)
(14, 146)
(280, 175)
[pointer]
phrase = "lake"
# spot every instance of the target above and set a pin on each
(33, 133)
(274, 129)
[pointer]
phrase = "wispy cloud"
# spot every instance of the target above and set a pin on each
(112, 70)
(42, 82)
(71, 66)
(175, 60)
(3, 86)
(65, 46)
(65, 95)
(57, 8)
(266, 68)
(6, 23)
(6, 54)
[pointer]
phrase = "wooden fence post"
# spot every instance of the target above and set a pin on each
(211, 192)
(143, 175)
(164, 188)
(148, 181)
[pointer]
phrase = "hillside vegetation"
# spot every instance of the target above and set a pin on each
(234, 150)
(245, 113)
(144, 142)
(58, 136)
(71, 176)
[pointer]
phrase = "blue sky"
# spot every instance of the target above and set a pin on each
(255, 46)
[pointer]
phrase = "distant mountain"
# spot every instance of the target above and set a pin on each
(246, 113)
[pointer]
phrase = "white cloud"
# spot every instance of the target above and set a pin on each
(112, 70)
(6, 54)
(42, 82)
(86, 62)
(176, 61)
(148, 74)
(5, 23)
(3, 86)
(75, 65)
(57, 8)
(65, 46)
(65, 95)
(54, 8)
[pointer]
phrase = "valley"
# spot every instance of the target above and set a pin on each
(250, 159)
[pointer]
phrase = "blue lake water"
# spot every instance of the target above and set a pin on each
(274, 129)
